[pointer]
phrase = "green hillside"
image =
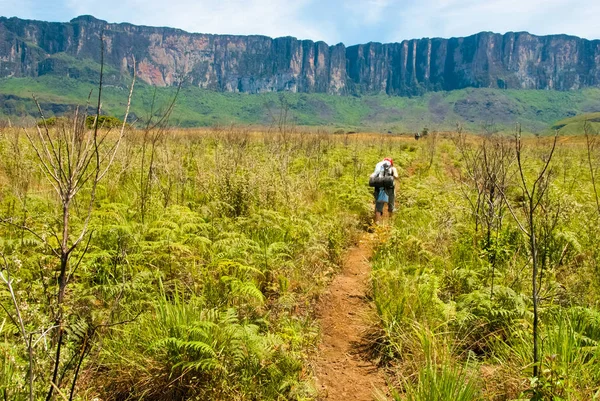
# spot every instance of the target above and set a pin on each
(576, 125)
(473, 108)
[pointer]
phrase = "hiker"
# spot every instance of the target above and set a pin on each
(383, 180)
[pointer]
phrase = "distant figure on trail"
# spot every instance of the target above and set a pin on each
(417, 135)
(383, 180)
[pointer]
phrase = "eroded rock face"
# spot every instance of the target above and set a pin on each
(257, 64)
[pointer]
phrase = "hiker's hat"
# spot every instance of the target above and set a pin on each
(389, 159)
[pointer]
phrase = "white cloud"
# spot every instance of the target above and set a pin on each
(350, 21)
(373, 10)
(446, 18)
(264, 17)
(580, 18)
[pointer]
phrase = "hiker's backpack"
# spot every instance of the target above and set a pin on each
(382, 179)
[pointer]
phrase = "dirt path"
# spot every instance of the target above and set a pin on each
(342, 373)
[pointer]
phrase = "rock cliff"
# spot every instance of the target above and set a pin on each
(257, 64)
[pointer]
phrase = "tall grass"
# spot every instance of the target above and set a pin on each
(433, 373)
(203, 286)
(433, 269)
(208, 252)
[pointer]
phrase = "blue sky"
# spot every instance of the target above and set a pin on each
(334, 21)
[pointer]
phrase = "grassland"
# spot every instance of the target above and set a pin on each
(206, 250)
(473, 108)
(578, 124)
(452, 279)
(199, 270)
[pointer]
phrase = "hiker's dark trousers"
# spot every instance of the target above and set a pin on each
(391, 193)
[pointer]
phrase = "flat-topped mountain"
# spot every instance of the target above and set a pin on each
(255, 64)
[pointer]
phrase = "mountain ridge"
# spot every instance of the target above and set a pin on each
(91, 18)
(258, 64)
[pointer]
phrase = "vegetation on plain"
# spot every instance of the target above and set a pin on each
(205, 253)
(486, 285)
(196, 272)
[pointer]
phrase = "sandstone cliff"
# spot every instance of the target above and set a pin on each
(257, 64)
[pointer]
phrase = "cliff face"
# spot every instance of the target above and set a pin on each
(260, 64)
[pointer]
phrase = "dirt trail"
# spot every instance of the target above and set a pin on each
(342, 373)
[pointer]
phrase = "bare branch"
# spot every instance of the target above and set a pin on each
(45, 168)
(542, 174)
(29, 230)
(518, 148)
(121, 134)
(8, 281)
(512, 212)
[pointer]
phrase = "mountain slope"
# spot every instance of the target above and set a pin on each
(579, 124)
(536, 110)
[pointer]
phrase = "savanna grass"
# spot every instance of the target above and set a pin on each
(208, 252)
(441, 269)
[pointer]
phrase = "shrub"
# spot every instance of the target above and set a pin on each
(53, 121)
(106, 122)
